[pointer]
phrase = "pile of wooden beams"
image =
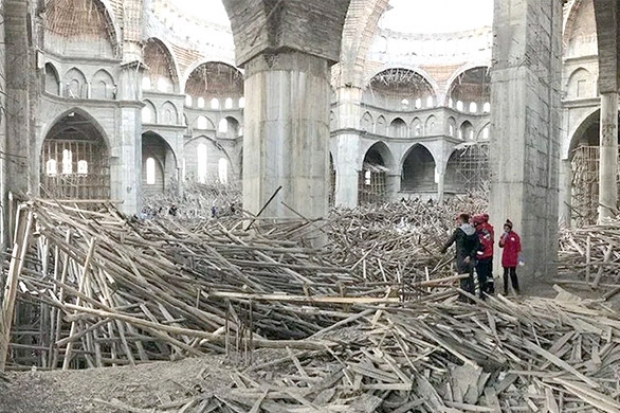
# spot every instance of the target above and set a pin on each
(115, 291)
(499, 356)
(592, 253)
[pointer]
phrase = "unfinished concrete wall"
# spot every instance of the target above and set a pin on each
(526, 127)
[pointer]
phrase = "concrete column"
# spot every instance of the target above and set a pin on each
(526, 127)
(566, 192)
(126, 150)
(608, 186)
(348, 145)
(441, 178)
(286, 135)
(347, 169)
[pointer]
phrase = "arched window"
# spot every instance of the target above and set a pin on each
(240, 132)
(459, 106)
(241, 103)
(486, 108)
(67, 162)
(146, 83)
(202, 123)
(430, 102)
(150, 171)
(223, 170)
(228, 104)
(418, 103)
(82, 167)
(486, 133)
(147, 115)
(404, 103)
(223, 126)
(51, 168)
(188, 101)
(450, 103)
(201, 103)
(473, 107)
(202, 163)
(215, 104)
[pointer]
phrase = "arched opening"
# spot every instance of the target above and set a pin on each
(149, 115)
(468, 169)
(217, 84)
(467, 132)
(75, 160)
(452, 127)
(169, 114)
(160, 68)
(76, 86)
(381, 126)
(203, 123)
(372, 187)
(581, 84)
(418, 173)
(367, 122)
(103, 87)
(398, 128)
(473, 86)
(202, 164)
(222, 172)
(159, 165)
(416, 127)
(389, 88)
(229, 128)
(584, 155)
(189, 101)
(432, 127)
(79, 28)
(52, 80)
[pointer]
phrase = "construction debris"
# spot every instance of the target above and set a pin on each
(370, 324)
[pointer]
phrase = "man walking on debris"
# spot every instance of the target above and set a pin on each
(484, 262)
(467, 245)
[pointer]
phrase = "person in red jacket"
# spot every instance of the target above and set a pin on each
(484, 261)
(511, 243)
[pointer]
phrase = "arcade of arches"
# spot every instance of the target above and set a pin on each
(402, 114)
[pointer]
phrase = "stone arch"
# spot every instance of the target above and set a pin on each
(103, 86)
(214, 152)
(52, 79)
(389, 88)
(467, 131)
(165, 171)
(452, 126)
(214, 80)
(75, 158)
(149, 113)
(581, 84)
(232, 127)
(417, 129)
(423, 74)
(169, 114)
(398, 128)
(70, 25)
(360, 26)
(75, 84)
(381, 127)
(485, 133)
(373, 177)
(204, 123)
(580, 28)
(418, 171)
(471, 83)
(432, 125)
(162, 66)
(467, 170)
(367, 123)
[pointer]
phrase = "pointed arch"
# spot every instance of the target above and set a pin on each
(214, 79)
(149, 113)
(432, 125)
(470, 83)
(161, 65)
(581, 84)
(103, 86)
(75, 84)
(367, 123)
(52, 79)
(169, 114)
(418, 171)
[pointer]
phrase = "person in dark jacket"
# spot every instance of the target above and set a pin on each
(511, 243)
(484, 261)
(467, 245)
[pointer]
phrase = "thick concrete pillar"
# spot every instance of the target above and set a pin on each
(287, 49)
(20, 99)
(126, 163)
(441, 179)
(348, 145)
(526, 121)
(608, 186)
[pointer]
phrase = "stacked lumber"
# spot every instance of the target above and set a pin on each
(592, 253)
(540, 356)
(120, 291)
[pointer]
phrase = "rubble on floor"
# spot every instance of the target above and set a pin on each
(369, 324)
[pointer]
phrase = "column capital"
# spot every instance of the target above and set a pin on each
(274, 26)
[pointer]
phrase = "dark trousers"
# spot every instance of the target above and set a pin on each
(467, 284)
(512, 271)
(484, 270)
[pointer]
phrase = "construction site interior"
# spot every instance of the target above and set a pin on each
(239, 206)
